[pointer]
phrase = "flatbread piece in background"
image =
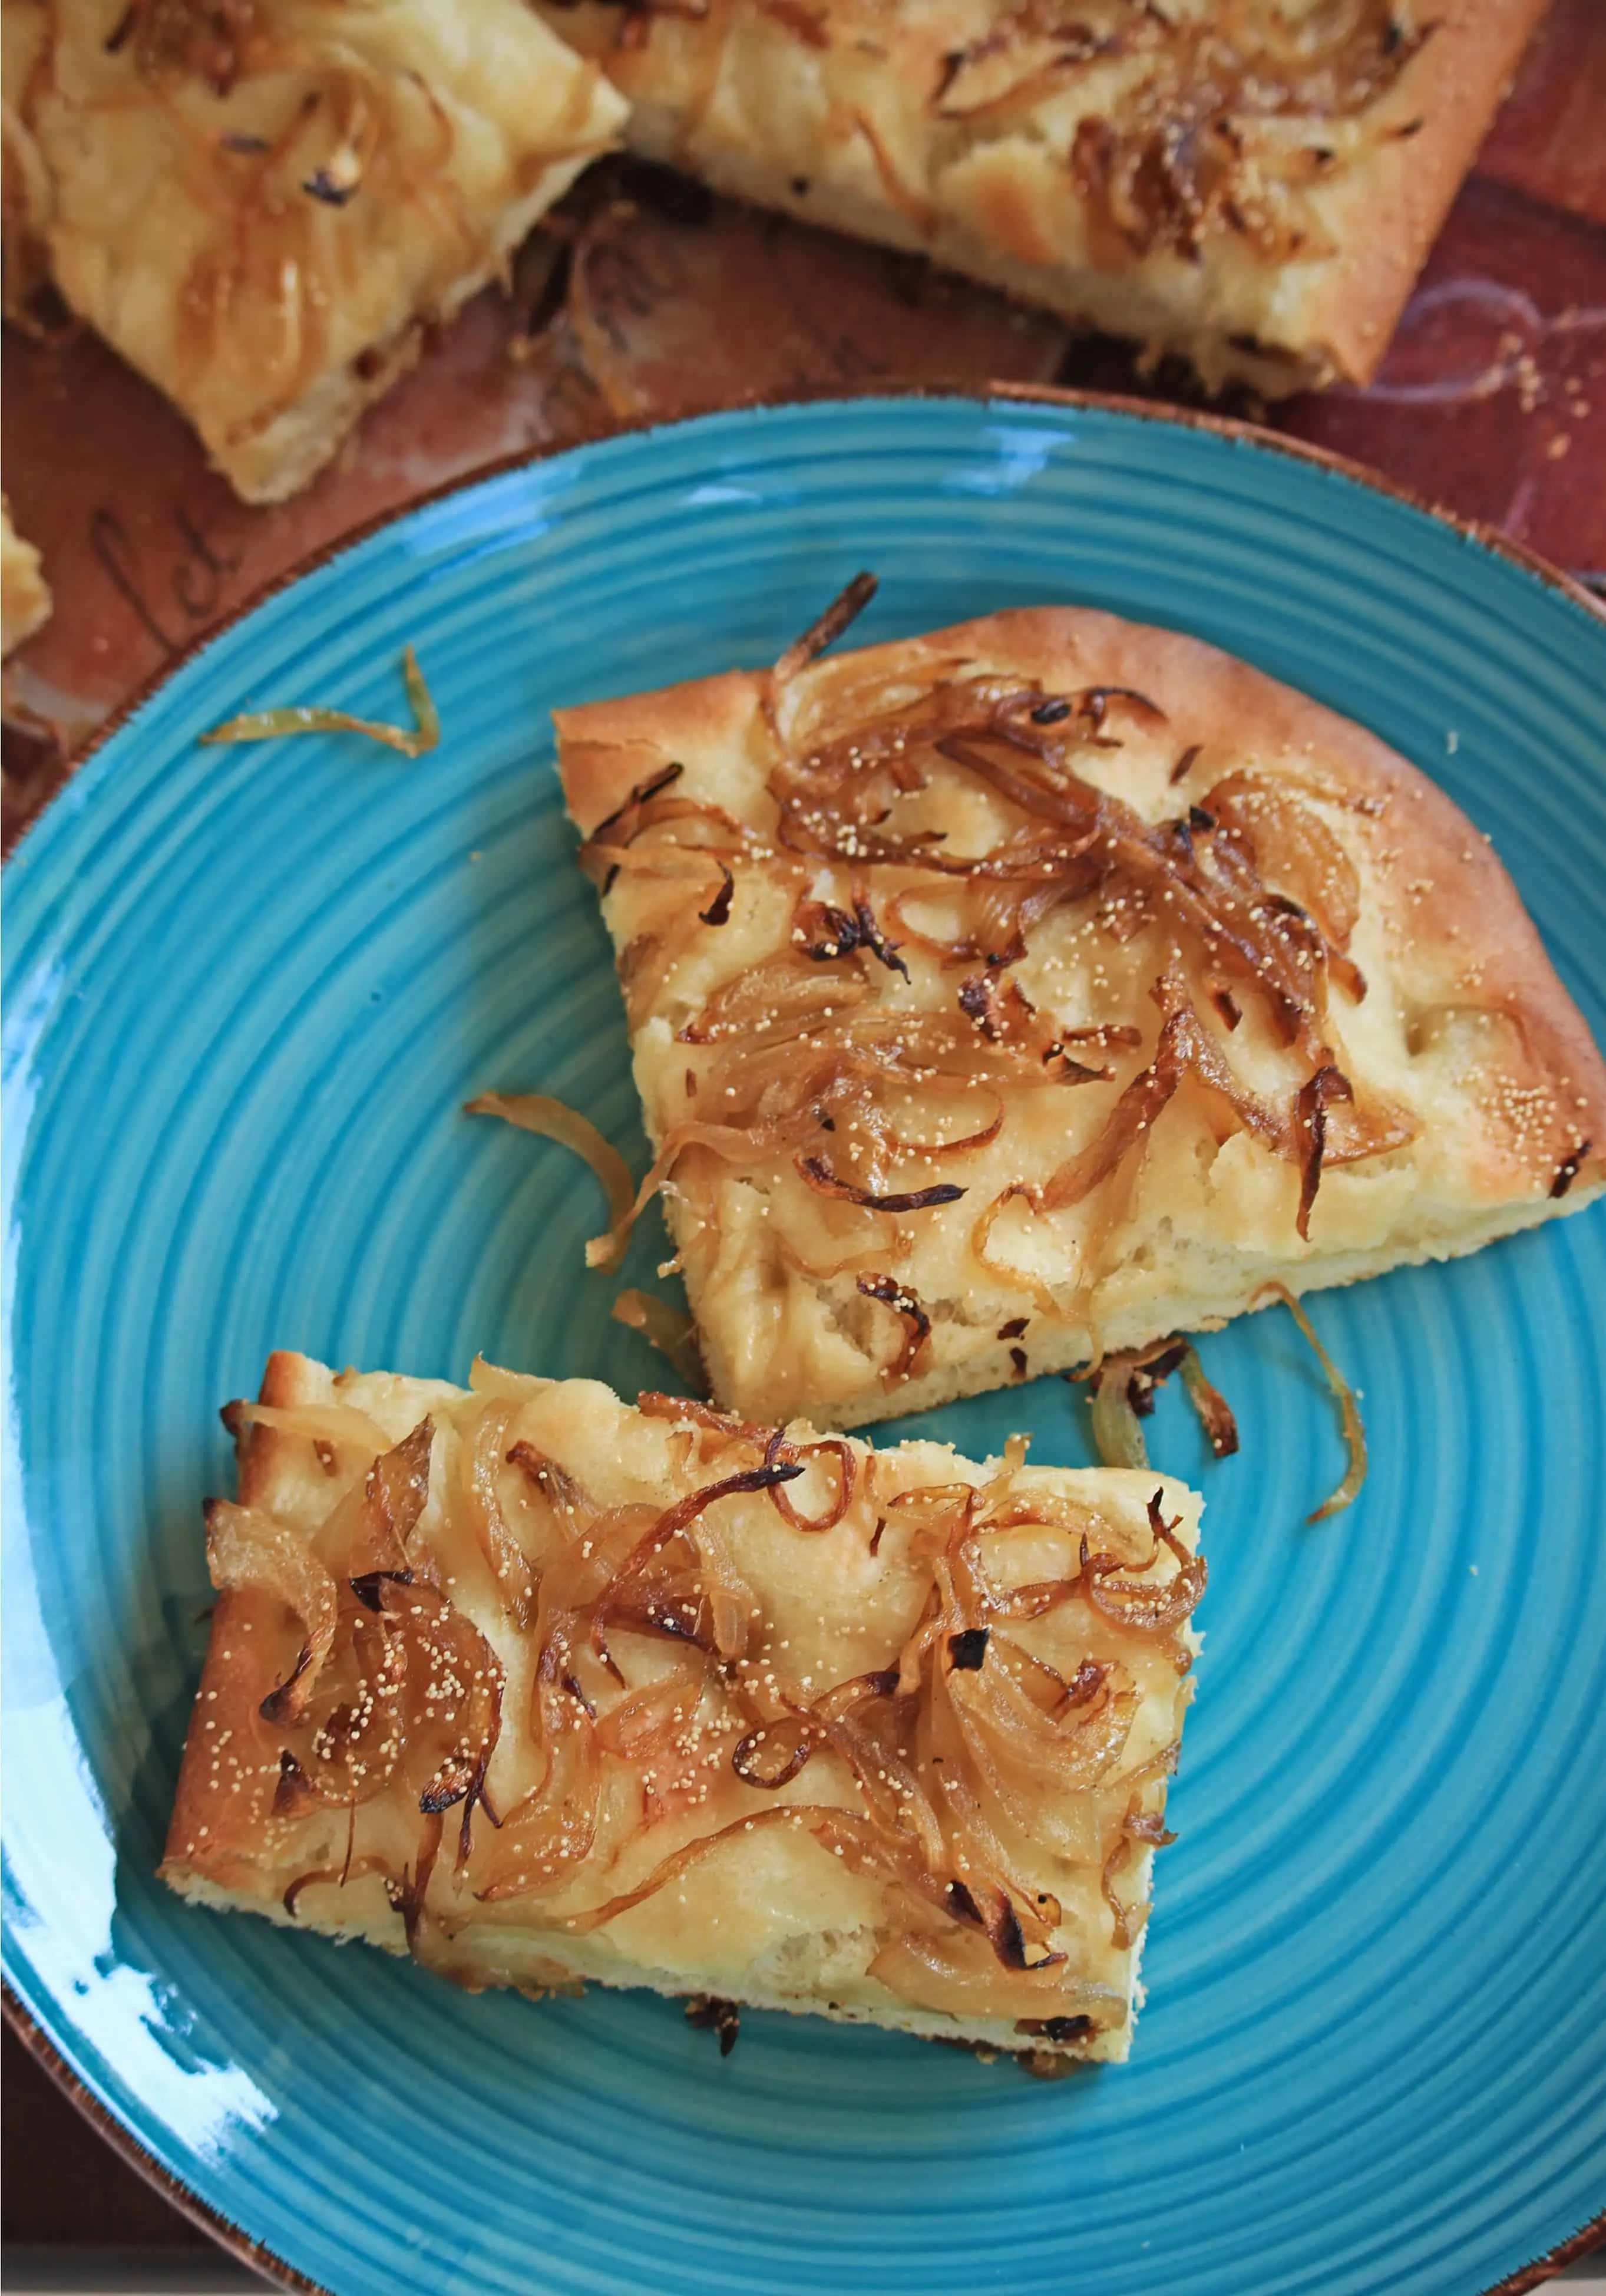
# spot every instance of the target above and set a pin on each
(262, 206)
(1253, 184)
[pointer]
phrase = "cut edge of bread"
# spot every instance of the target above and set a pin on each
(1090, 301)
(1199, 1305)
(557, 1963)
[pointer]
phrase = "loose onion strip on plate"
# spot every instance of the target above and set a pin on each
(1354, 1434)
(664, 1327)
(554, 1119)
(1123, 1395)
(302, 718)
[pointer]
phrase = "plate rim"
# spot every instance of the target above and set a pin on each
(229, 2235)
(1236, 428)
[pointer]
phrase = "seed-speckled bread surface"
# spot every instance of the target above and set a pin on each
(1251, 183)
(1062, 959)
(261, 211)
(544, 1688)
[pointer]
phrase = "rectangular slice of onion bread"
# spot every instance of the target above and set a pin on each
(1047, 984)
(1253, 184)
(261, 208)
(543, 1688)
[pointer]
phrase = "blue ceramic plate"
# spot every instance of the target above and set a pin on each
(250, 990)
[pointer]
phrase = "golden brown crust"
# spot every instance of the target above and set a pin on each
(1476, 1085)
(609, 747)
(761, 1911)
(230, 1692)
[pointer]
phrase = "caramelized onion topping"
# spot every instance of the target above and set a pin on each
(1191, 159)
(1215, 1413)
(820, 1176)
(1147, 1606)
(967, 1748)
(1116, 1436)
(247, 1547)
(826, 932)
(846, 1473)
(1310, 1119)
(772, 1755)
(815, 1049)
(624, 818)
(905, 1304)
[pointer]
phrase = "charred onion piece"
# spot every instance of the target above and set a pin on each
(1093, 703)
(1063, 2030)
(771, 1754)
(841, 930)
(554, 1119)
(368, 1585)
(708, 2014)
(1123, 1391)
(268, 725)
(1310, 1123)
(1144, 1605)
(906, 1305)
(1355, 1433)
(846, 607)
(644, 793)
(718, 910)
(1214, 1412)
(292, 1793)
(820, 1176)
(1003, 1012)
(1569, 1168)
(322, 185)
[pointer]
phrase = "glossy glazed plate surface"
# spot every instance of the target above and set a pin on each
(249, 990)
